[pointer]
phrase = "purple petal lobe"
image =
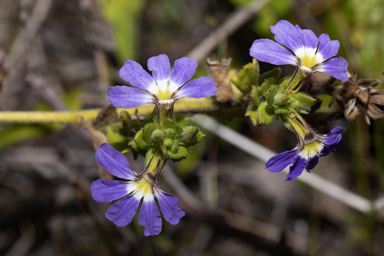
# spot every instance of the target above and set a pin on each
(309, 38)
(286, 34)
(198, 88)
(169, 207)
(114, 162)
(183, 70)
(296, 168)
(280, 161)
(327, 47)
(269, 51)
(312, 163)
(334, 136)
(122, 212)
(150, 218)
(160, 67)
(134, 73)
(336, 68)
(128, 97)
(105, 191)
(325, 151)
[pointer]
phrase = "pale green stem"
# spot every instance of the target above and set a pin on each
(184, 105)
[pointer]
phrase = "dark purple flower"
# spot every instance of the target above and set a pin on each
(163, 86)
(134, 189)
(306, 154)
(305, 50)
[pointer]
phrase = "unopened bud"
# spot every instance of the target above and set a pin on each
(157, 135)
(280, 99)
(189, 133)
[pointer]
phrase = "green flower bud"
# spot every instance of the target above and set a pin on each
(168, 142)
(157, 135)
(189, 133)
(280, 99)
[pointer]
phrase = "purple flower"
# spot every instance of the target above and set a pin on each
(163, 86)
(305, 50)
(306, 154)
(130, 192)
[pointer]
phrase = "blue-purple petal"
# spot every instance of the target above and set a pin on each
(150, 218)
(202, 87)
(334, 136)
(169, 207)
(128, 97)
(122, 212)
(114, 162)
(286, 34)
(134, 73)
(269, 51)
(160, 67)
(296, 169)
(183, 70)
(282, 160)
(106, 191)
(327, 47)
(336, 67)
(309, 38)
(312, 163)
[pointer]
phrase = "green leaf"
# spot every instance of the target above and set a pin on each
(270, 95)
(175, 146)
(168, 142)
(115, 139)
(182, 120)
(140, 141)
(169, 123)
(147, 132)
(264, 117)
(126, 123)
(255, 95)
(273, 74)
(180, 154)
(251, 112)
(301, 100)
(247, 77)
(265, 86)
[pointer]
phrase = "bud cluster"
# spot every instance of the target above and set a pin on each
(172, 137)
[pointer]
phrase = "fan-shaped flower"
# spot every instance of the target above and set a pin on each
(163, 86)
(309, 53)
(306, 155)
(131, 191)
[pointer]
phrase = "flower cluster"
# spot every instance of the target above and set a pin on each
(301, 48)
(132, 190)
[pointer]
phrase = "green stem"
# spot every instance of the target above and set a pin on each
(184, 105)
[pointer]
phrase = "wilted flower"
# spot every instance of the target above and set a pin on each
(132, 190)
(309, 53)
(306, 154)
(163, 86)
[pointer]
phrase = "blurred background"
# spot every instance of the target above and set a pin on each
(63, 55)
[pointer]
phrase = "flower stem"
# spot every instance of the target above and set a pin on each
(184, 105)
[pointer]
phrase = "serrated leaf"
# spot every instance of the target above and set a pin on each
(182, 120)
(252, 113)
(180, 154)
(265, 86)
(169, 123)
(273, 74)
(175, 146)
(270, 94)
(263, 115)
(148, 130)
(301, 100)
(140, 141)
(255, 96)
(247, 77)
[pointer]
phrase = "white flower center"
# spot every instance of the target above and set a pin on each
(163, 89)
(309, 58)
